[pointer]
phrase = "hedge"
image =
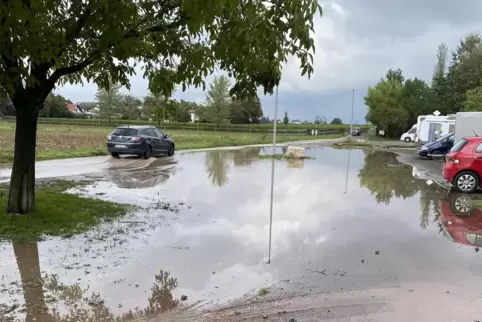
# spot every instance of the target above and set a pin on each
(290, 129)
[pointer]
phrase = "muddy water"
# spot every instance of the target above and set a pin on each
(199, 237)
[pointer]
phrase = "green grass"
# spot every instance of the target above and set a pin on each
(56, 213)
(283, 157)
(65, 141)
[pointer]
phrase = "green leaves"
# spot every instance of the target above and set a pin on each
(177, 42)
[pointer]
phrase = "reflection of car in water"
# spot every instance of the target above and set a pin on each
(460, 220)
(141, 179)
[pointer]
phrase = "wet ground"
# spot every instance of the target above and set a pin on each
(355, 236)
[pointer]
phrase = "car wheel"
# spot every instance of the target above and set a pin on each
(171, 151)
(466, 182)
(461, 205)
(407, 139)
(148, 153)
(115, 155)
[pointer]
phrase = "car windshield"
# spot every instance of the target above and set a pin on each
(125, 132)
(444, 137)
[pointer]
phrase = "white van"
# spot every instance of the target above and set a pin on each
(410, 135)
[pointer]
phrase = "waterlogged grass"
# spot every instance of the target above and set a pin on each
(56, 213)
(283, 157)
(64, 141)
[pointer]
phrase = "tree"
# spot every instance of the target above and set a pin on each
(395, 75)
(473, 102)
(109, 100)
(183, 112)
(416, 98)
(218, 101)
(385, 110)
(246, 111)
(129, 106)
(6, 107)
(441, 65)
(286, 120)
(48, 43)
(159, 106)
(55, 106)
(337, 121)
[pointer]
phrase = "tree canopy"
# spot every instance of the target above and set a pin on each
(395, 102)
(46, 43)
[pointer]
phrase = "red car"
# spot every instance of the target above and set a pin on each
(463, 164)
(460, 222)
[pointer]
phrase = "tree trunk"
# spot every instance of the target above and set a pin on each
(21, 199)
(32, 283)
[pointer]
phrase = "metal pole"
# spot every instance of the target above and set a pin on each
(272, 173)
(352, 108)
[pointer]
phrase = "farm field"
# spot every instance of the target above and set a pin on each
(57, 141)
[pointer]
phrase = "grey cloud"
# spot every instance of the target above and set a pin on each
(408, 18)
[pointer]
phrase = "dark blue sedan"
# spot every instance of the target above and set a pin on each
(437, 148)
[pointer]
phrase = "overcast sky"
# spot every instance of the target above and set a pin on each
(356, 43)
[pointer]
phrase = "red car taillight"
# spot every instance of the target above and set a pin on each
(137, 139)
(452, 158)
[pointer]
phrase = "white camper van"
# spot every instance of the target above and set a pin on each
(410, 135)
(433, 127)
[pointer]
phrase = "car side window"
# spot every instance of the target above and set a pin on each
(159, 133)
(146, 132)
(478, 149)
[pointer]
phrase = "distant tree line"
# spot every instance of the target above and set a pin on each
(395, 102)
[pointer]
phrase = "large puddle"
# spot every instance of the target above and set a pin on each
(200, 236)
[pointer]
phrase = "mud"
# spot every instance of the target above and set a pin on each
(355, 237)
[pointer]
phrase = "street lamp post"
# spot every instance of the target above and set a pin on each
(272, 173)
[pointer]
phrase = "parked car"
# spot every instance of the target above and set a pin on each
(144, 141)
(463, 164)
(439, 147)
(356, 131)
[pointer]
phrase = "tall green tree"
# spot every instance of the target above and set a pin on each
(46, 43)
(183, 112)
(109, 101)
(417, 99)
(441, 65)
(55, 106)
(473, 102)
(336, 121)
(395, 75)
(246, 111)
(160, 107)
(286, 119)
(129, 107)
(385, 109)
(218, 101)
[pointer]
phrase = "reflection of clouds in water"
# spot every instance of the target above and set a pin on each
(231, 282)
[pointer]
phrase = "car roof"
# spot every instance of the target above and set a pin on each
(137, 127)
(473, 138)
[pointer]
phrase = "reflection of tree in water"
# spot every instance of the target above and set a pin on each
(161, 299)
(245, 157)
(79, 305)
(217, 167)
(385, 177)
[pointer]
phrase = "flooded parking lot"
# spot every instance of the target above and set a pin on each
(353, 230)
